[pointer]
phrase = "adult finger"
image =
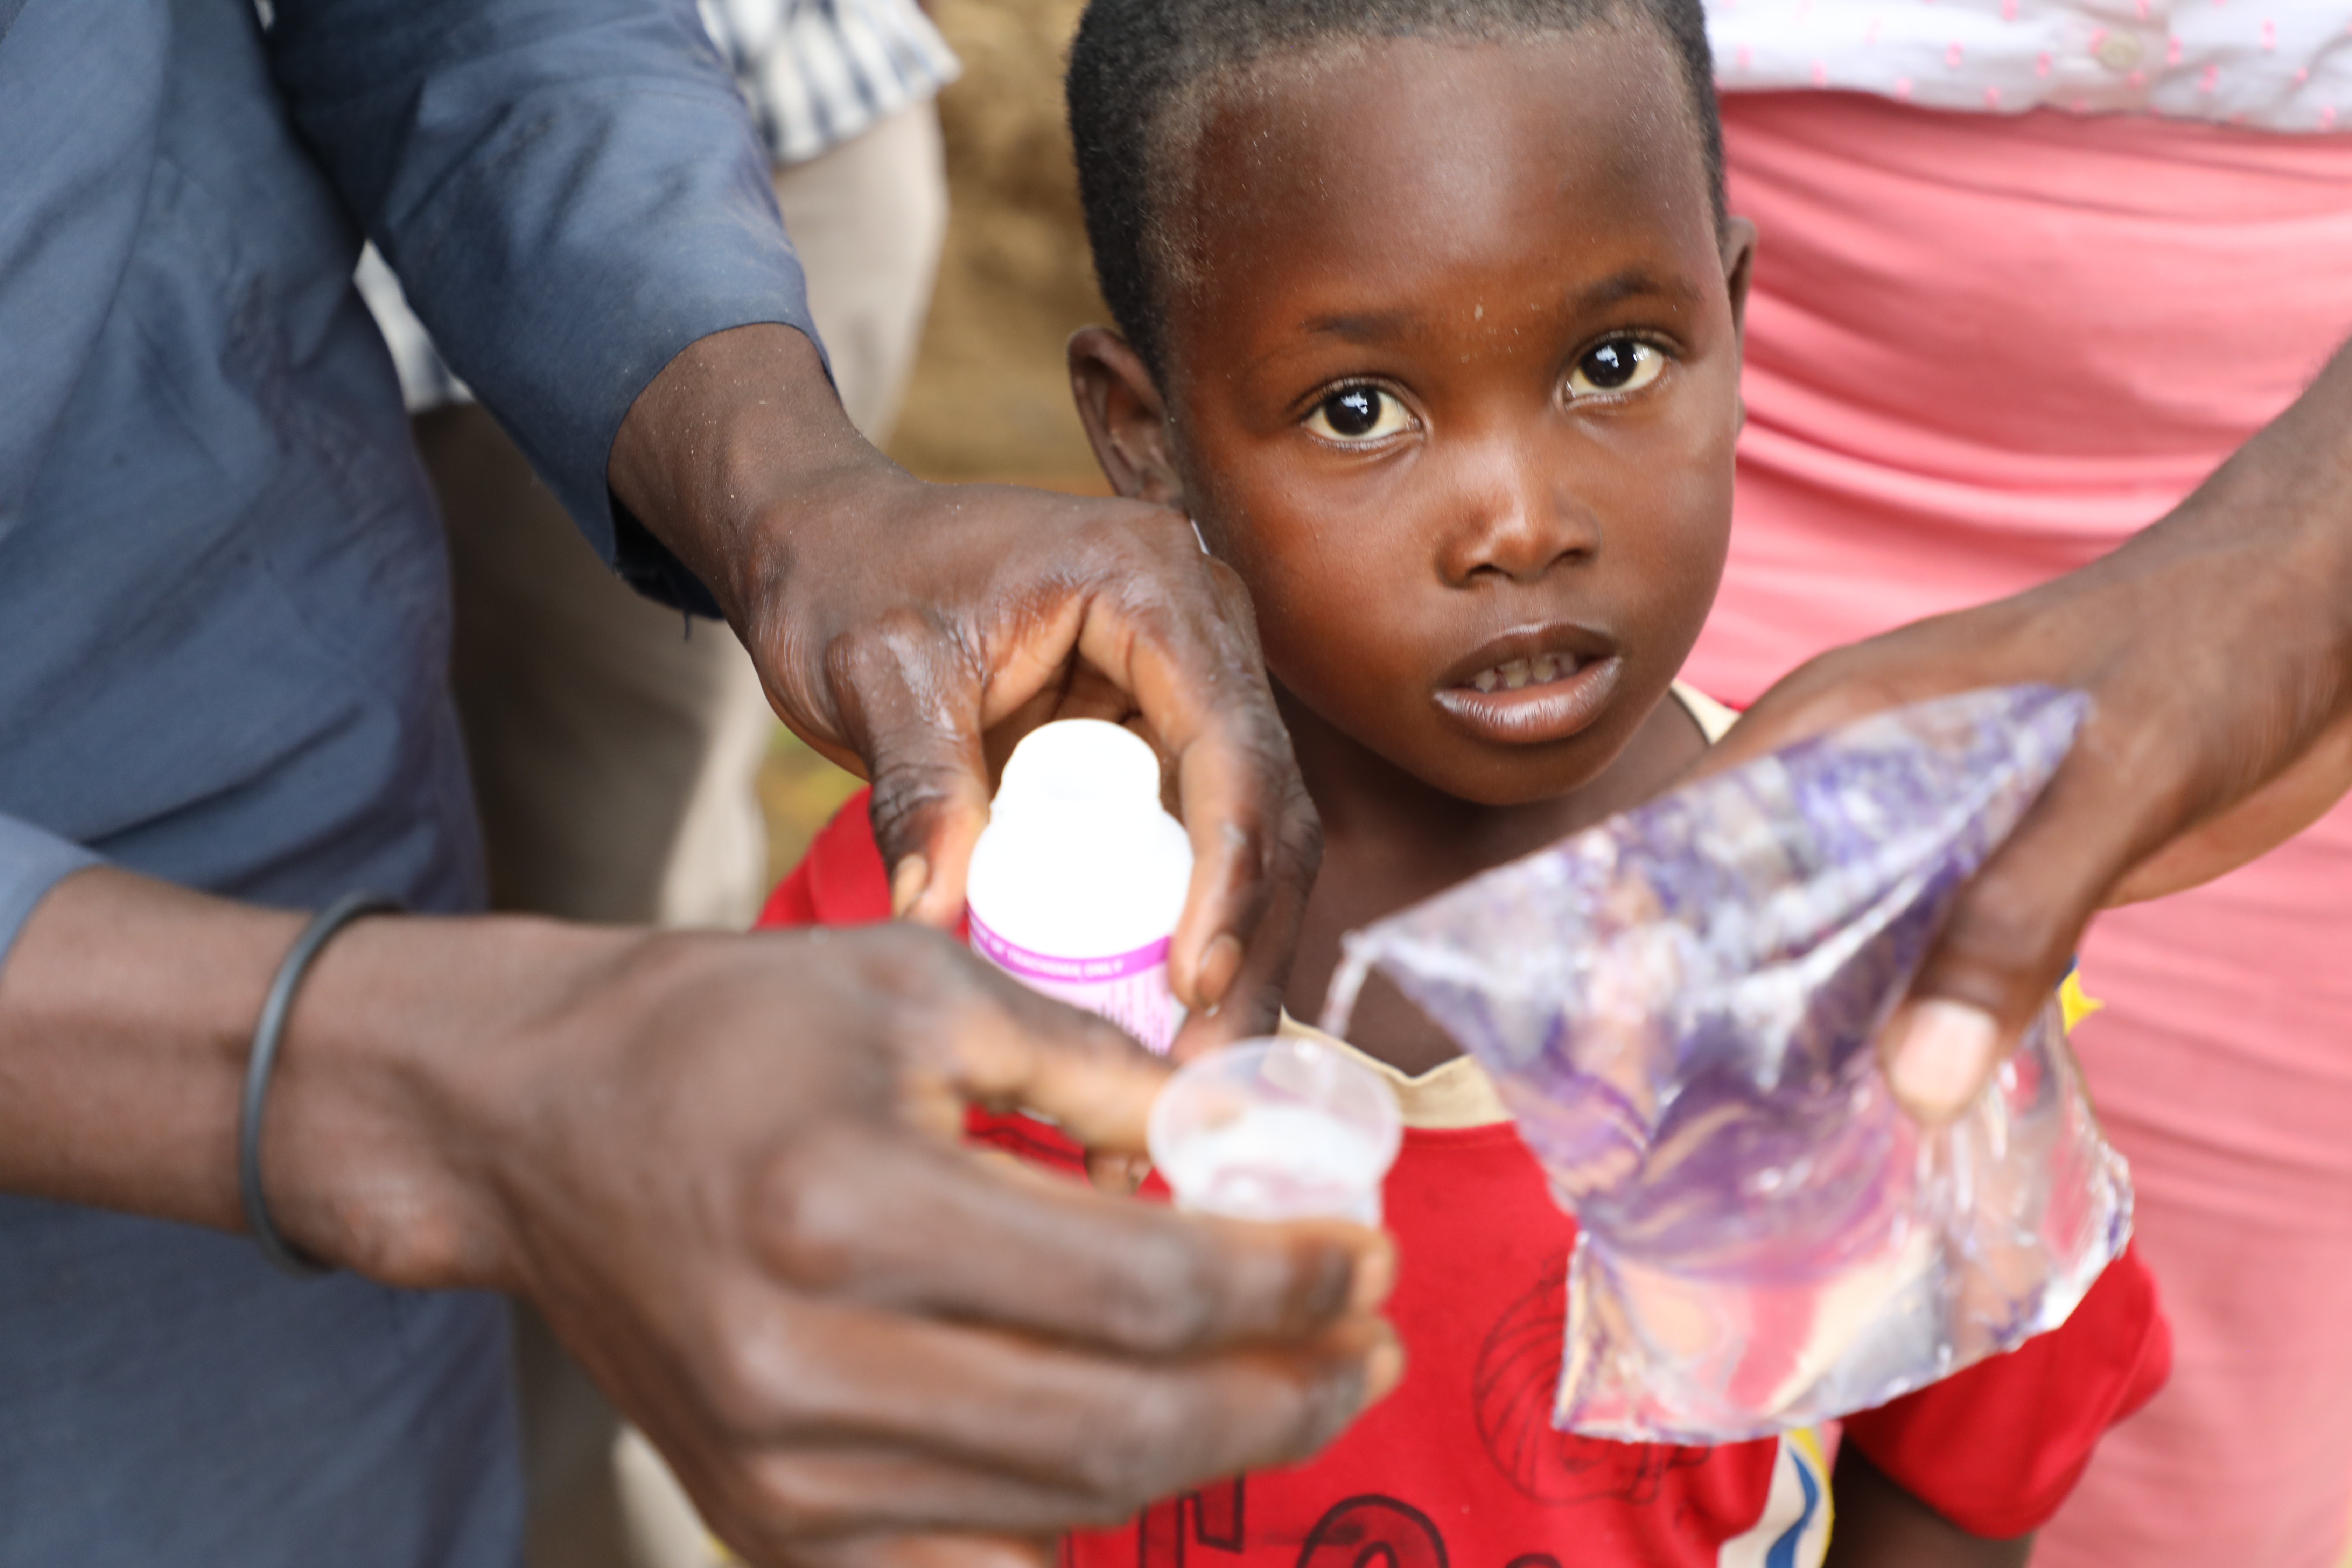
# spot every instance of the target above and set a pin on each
(1001, 1045)
(910, 697)
(805, 1505)
(1117, 1174)
(1192, 667)
(2129, 814)
(1252, 1002)
(2015, 927)
(929, 1228)
(814, 1500)
(862, 1402)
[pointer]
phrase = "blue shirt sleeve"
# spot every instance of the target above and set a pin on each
(572, 192)
(31, 863)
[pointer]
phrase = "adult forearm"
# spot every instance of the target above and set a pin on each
(127, 1009)
(2280, 506)
(2245, 590)
(737, 450)
(725, 1166)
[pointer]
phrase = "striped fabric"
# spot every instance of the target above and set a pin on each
(818, 72)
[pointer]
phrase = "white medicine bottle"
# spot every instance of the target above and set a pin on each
(1078, 879)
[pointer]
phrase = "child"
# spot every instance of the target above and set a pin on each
(1430, 320)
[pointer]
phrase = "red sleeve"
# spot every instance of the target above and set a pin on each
(1997, 1448)
(792, 903)
(841, 880)
(1037, 1142)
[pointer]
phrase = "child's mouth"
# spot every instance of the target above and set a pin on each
(1514, 674)
(1534, 699)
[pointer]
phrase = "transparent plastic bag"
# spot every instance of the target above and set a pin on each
(1678, 1007)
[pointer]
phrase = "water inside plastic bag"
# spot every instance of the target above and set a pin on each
(1678, 1007)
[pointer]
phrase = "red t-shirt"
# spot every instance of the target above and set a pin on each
(1461, 1463)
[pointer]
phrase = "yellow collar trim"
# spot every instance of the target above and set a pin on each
(1712, 717)
(1451, 1095)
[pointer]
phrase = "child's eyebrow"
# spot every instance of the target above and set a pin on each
(1364, 326)
(1632, 282)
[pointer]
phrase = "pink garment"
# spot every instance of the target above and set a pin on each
(1982, 349)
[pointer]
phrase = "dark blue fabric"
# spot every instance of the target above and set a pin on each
(223, 636)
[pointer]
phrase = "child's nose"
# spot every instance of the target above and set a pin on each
(1513, 516)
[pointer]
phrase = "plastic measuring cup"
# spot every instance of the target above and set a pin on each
(1276, 1128)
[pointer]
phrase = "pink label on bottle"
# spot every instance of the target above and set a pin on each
(1130, 989)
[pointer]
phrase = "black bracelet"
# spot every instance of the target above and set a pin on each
(267, 1035)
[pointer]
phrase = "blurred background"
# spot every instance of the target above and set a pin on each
(990, 400)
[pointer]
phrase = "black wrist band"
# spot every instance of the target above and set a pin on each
(267, 1034)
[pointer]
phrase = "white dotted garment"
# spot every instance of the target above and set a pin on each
(2278, 65)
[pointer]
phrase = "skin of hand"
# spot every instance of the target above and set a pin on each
(913, 632)
(2217, 648)
(727, 1168)
(1880, 1523)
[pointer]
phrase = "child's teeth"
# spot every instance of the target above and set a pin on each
(1546, 668)
(1484, 680)
(1514, 674)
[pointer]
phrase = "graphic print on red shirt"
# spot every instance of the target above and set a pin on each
(1460, 1467)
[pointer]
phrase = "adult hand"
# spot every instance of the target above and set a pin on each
(837, 1324)
(912, 631)
(2216, 647)
(726, 1168)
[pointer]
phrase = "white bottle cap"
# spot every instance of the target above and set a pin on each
(1079, 765)
(1079, 860)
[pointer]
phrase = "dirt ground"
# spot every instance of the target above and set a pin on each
(989, 399)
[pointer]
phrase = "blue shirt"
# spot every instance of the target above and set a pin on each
(224, 622)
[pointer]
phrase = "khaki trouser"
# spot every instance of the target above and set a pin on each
(615, 746)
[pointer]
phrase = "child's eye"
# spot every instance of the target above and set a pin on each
(1357, 414)
(1620, 364)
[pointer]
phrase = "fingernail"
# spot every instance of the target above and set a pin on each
(907, 884)
(1940, 1054)
(1375, 1278)
(1219, 964)
(1383, 1370)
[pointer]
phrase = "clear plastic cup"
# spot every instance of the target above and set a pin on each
(1276, 1128)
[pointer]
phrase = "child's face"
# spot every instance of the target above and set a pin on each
(1453, 385)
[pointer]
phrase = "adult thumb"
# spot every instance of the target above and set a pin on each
(2007, 942)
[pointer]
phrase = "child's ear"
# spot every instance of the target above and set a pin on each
(1739, 267)
(1738, 264)
(1126, 421)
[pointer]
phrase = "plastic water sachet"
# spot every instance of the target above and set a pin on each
(1678, 1007)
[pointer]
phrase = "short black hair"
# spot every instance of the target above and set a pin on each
(1136, 65)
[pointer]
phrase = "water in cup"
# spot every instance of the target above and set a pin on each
(1274, 1129)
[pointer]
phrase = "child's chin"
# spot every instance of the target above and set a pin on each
(1534, 775)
